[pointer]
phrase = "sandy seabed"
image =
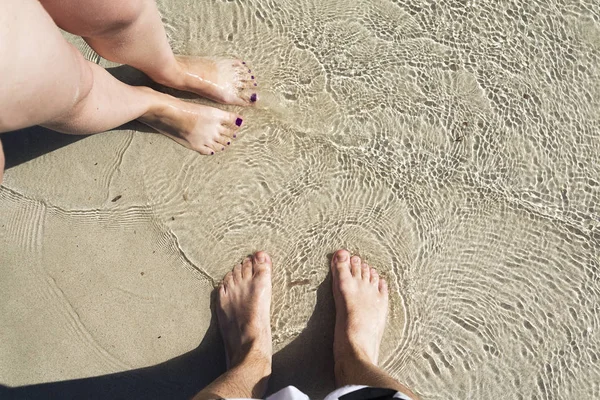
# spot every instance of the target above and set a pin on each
(453, 145)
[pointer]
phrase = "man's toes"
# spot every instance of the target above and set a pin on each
(355, 267)
(228, 281)
(365, 272)
(340, 264)
(374, 277)
(262, 262)
(383, 286)
(237, 273)
(247, 268)
(222, 289)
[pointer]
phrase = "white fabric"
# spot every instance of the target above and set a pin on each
(288, 393)
(337, 393)
(292, 393)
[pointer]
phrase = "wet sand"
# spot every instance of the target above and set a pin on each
(454, 147)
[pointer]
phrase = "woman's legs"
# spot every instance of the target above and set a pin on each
(131, 32)
(361, 302)
(47, 82)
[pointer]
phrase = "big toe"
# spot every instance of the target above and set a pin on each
(262, 263)
(340, 264)
(248, 95)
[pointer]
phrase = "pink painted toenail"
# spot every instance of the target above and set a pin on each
(238, 122)
(253, 97)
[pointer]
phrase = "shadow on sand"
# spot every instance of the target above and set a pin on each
(306, 363)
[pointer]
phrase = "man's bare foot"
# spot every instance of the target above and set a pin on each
(225, 81)
(204, 129)
(361, 304)
(244, 311)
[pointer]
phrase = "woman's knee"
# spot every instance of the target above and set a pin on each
(90, 18)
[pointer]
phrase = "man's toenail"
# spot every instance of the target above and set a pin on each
(253, 97)
(260, 257)
(342, 257)
(238, 122)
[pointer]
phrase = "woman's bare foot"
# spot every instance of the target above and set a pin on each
(244, 311)
(361, 304)
(201, 128)
(225, 81)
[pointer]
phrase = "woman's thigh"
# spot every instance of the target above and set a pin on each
(43, 76)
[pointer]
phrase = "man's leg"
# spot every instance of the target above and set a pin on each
(244, 313)
(46, 81)
(361, 303)
(131, 32)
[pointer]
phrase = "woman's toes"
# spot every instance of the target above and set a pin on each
(233, 121)
(216, 147)
(355, 266)
(204, 150)
(249, 95)
(223, 140)
(227, 132)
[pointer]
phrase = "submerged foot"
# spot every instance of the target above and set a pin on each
(361, 304)
(225, 81)
(244, 311)
(204, 129)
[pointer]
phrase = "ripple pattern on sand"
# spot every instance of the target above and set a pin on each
(454, 145)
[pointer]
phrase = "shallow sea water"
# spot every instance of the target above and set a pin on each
(454, 145)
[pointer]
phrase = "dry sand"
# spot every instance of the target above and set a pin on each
(455, 146)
